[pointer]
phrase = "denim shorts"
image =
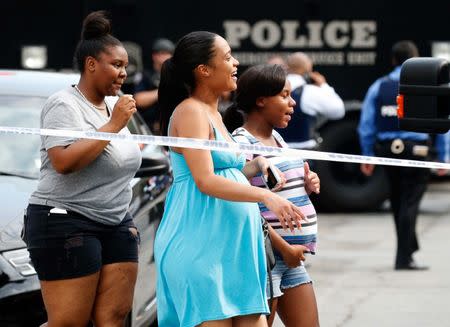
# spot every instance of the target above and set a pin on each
(284, 277)
(66, 244)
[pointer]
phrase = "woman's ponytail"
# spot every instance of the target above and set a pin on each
(171, 91)
(177, 73)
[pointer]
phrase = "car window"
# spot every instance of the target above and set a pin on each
(20, 153)
(132, 126)
(140, 125)
(137, 125)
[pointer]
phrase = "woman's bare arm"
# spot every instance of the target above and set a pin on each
(193, 123)
(81, 153)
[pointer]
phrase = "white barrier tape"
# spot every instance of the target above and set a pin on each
(225, 146)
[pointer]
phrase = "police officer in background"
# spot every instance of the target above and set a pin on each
(313, 98)
(379, 135)
(147, 83)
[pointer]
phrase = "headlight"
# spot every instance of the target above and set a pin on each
(20, 260)
(34, 56)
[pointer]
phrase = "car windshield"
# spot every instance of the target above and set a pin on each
(20, 153)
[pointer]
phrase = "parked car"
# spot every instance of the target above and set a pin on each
(22, 95)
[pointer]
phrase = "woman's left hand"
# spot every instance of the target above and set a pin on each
(263, 164)
(312, 180)
(294, 255)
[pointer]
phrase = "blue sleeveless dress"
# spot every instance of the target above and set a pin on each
(209, 252)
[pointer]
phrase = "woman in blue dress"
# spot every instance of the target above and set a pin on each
(209, 248)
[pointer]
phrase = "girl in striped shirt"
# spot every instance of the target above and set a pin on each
(263, 102)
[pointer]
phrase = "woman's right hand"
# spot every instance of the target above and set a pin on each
(124, 108)
(293, 255)
(289, 215)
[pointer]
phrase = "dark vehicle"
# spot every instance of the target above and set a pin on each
(22, 95)
(349, 44)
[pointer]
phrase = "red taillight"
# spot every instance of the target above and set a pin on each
(400, 108)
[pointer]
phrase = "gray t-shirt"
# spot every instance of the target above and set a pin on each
(100, 191)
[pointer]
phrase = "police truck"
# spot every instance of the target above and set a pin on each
(349, 42)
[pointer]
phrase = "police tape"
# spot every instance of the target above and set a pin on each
(214, 145)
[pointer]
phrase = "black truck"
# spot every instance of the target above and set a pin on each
(349, 41)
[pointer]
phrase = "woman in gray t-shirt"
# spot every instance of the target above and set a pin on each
(81, 240)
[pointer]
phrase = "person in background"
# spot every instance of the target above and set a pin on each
(209, 247)
(443, 149)
(380, 135)
(82, 240)
(277, 59)
(225, 100)
(263, 103)
(313, 97)
(147, 83)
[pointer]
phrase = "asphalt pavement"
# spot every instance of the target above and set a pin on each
(354, 279)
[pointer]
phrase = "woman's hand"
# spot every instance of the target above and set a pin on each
(124, 108)
(312, 181)
(367, 169)
(294, 254)
(81, 153)
(263, 165)
(289, 215)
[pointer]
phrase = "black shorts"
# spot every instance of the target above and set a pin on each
(70, 245)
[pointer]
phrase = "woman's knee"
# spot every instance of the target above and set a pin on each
(298, 307)
(254, 320)
(114, 316)
(67, 318)
(64, 321)
(69, 302)
(217, 323)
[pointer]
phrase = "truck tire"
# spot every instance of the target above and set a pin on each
(343, 186)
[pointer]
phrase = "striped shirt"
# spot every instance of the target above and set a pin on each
(294, 190)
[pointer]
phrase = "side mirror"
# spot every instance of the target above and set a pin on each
(424, 95)
(153, 166)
